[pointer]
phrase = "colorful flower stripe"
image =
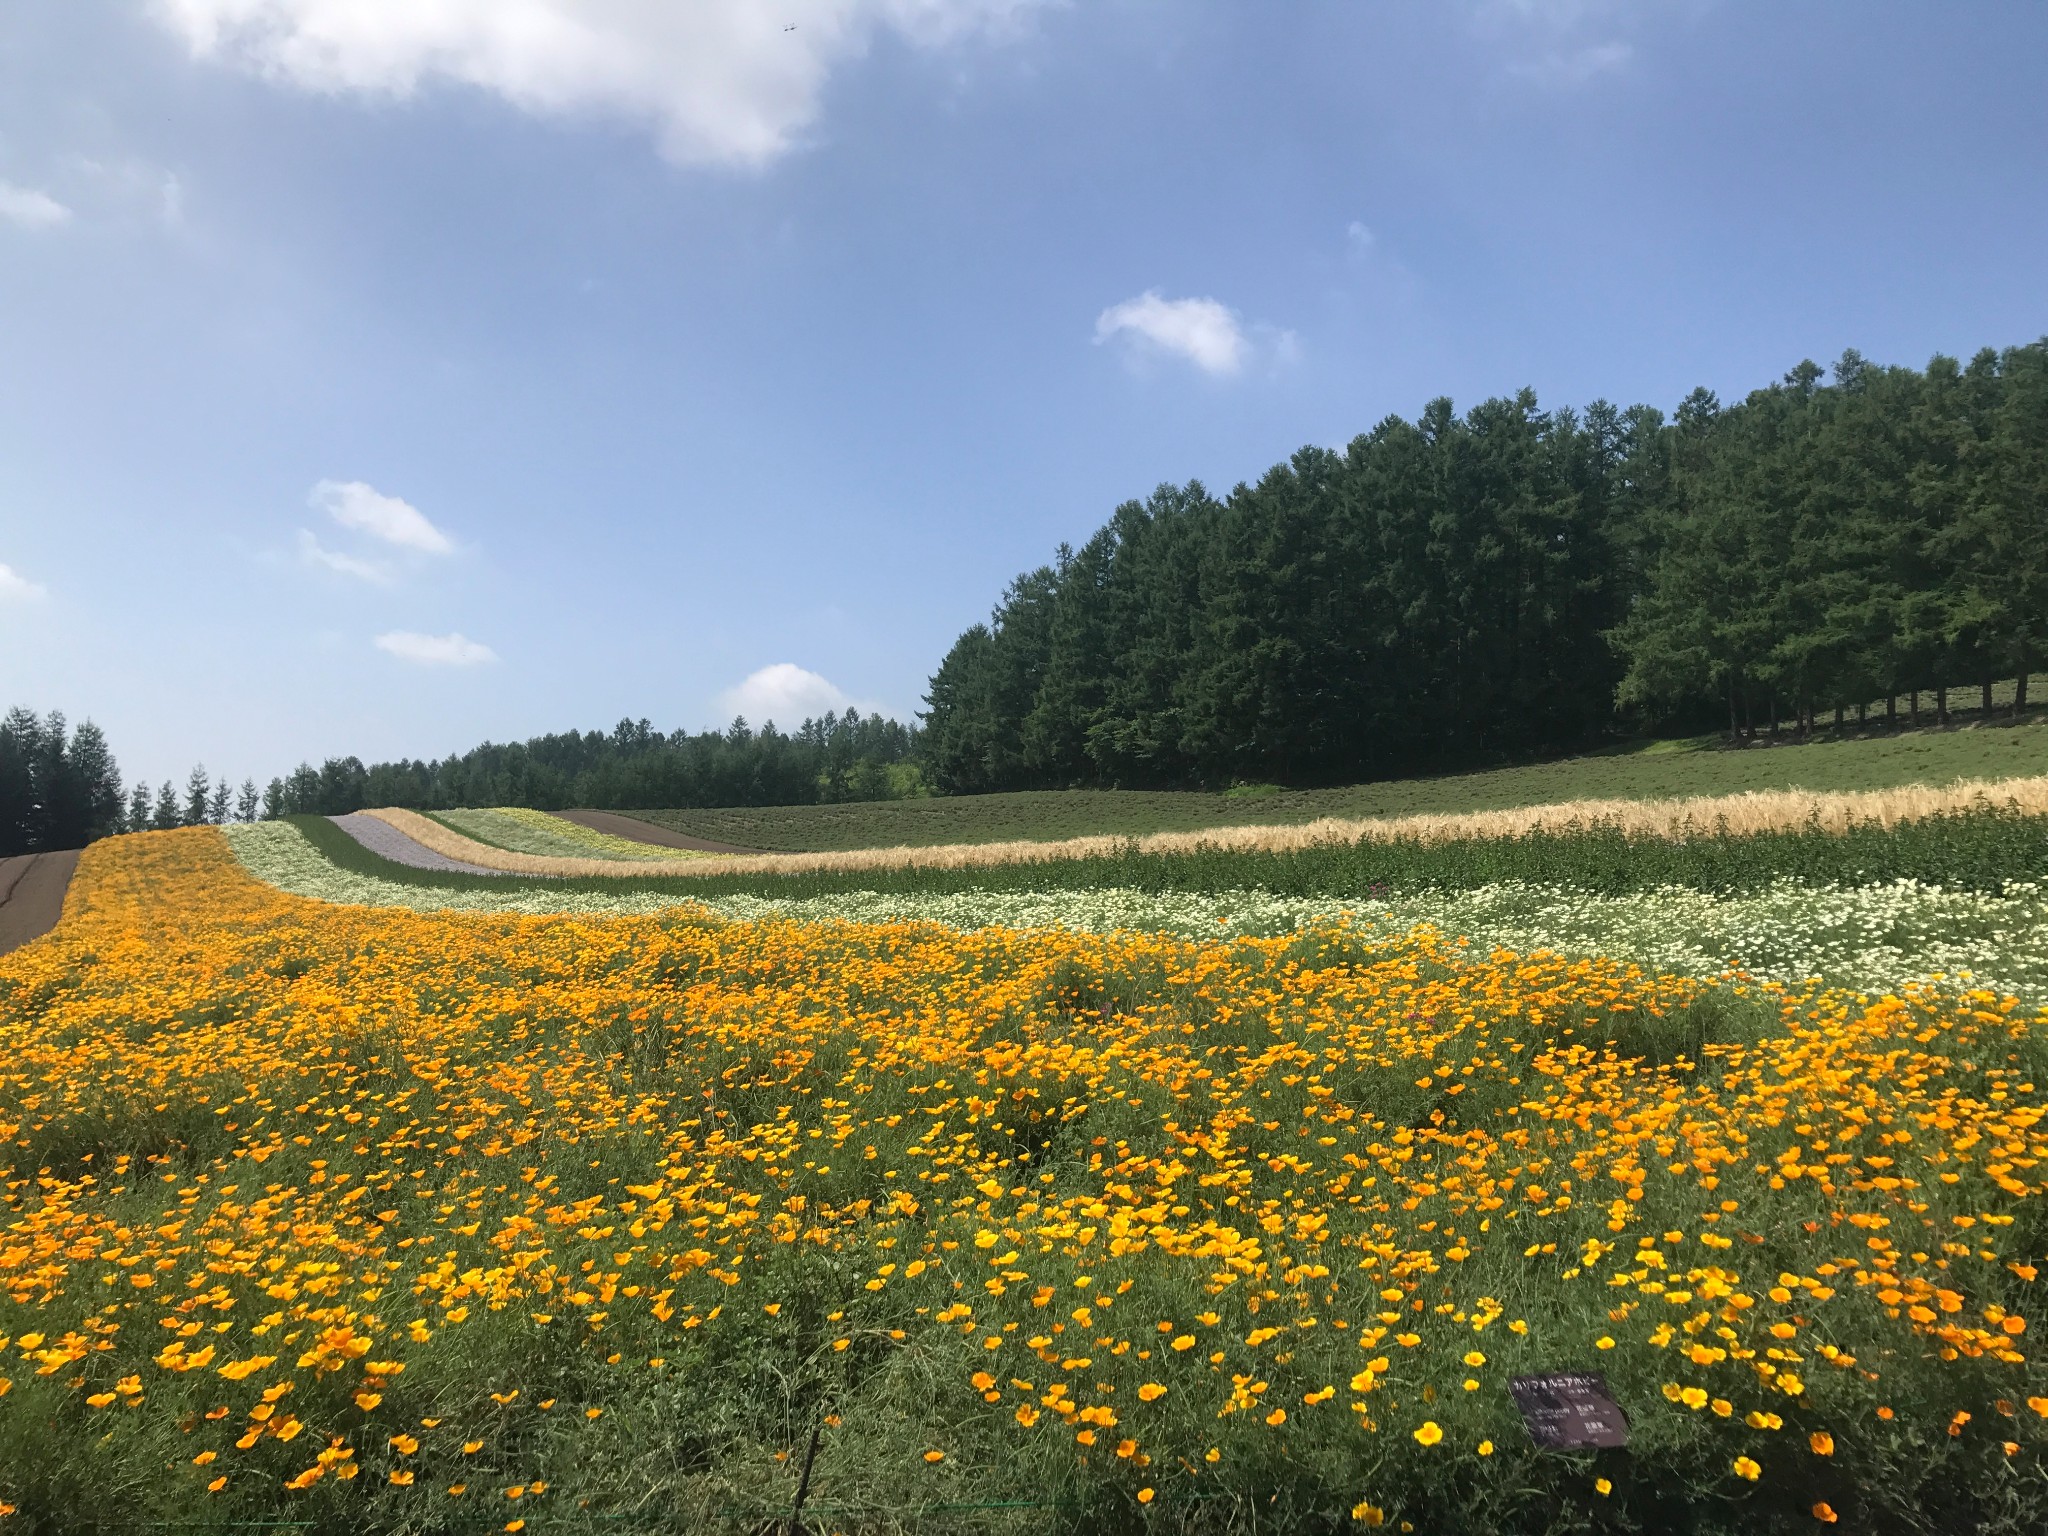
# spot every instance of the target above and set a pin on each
(309, 1192)
(1875, 939)
(519, 830)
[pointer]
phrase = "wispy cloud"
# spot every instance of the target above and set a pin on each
(732, 82)
(454, 650)
(1563, 44)
(31, 209)
(1202, 331)
(368, 510)
(313, 552)
(15, 587)
(784, 693)
(1573, 66)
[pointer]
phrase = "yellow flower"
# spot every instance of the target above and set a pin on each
(1486, 1447)
(1602, 1486)
(402, 1478)
(1694, 1398)
(1746, 1468)
(934, 1456)
(1276, 1418)
(1822, 1442)
(1151, 1392)
(216, 1485)
(404, 1444)
(1368, 1514)
(1824, 1512)
(1145, 1495)
(1603, 1342)
(1475, 1358)
(1429, 1434)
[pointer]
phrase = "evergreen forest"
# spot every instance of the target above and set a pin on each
(1515, 581)
(829, 759)
(59, 787)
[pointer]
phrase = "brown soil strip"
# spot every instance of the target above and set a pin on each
(32, 887)
(615, 825)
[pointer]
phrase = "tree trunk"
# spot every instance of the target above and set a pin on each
(1734, 727)
(1987, 698)
(2019, 696)
(1838, 717)
(1941, 705)
(1863, 714)
(1774, 717)
(1891, 710)
(1913, 719)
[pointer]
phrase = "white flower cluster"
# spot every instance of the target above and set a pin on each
(278, 854)
(1872, 938)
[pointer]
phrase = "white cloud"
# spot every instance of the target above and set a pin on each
(368, 510)
(15, 587)
(31, 209)
(1359, 238)
(1563, 44)
(719, 81)
(785, 693)
(435, 650)
(1201, 330)
(313, 552)
(1574, 66)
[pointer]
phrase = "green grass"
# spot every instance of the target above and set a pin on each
(1648, 771)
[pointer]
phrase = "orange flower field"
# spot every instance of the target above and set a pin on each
(381, 1220)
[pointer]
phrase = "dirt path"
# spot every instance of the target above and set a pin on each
(612, 823)
(32, 887)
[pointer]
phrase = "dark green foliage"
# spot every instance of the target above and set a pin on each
(832, 759)
(59, 788)
(1458, 589)
(1974, 850)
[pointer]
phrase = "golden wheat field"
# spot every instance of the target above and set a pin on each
(380, 1220)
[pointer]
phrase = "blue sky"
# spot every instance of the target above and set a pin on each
(378, 377)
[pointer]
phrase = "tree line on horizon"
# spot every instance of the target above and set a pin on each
(61, 788)
(1515, 581)
(828, 759)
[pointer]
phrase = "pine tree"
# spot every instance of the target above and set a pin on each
(168, 812)
(247, 802)
(198, 797)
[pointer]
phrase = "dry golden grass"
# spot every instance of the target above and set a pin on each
(1674, 819)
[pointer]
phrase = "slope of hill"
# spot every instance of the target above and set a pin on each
(1655, 770)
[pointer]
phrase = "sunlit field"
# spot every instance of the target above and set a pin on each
(390, 1220)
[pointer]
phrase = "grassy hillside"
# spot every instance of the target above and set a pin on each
(1657, 769)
